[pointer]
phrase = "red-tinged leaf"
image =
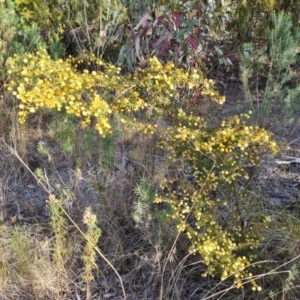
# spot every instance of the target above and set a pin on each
(164, 20)
(196, 94)
(192, 42)
(164, 47)
(176, 19)
(160, 40)
(122, 54)
(137, 47)
(145, 31)
(131, 59)
(176, 53)
(142, 22)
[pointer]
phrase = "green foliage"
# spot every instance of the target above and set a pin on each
(24, 261)
(64, 130)
(251, 17)
(187, 34)
(57, 50)
(42, 149)
(39, 173)
(107, 149)
(77, 24)
(8, 30)
(59, 228)
(15, 36)
(32, 262)
(20, 245)
(281, 246)
(92, 237)
(47, 14)
(145, 192)
(275, 67)
(16, 255)
(79, 142)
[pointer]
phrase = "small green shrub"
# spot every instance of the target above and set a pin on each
(145, 192)
(25, 262)
(64, 129)
(15, 36)
(92, 237)
(275, 68)
(59, 227)
(70, 25)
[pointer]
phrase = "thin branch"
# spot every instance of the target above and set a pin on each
(238, 207)
(86, 25)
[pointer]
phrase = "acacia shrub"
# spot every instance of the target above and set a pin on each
(215, 156)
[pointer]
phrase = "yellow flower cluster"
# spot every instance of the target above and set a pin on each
(92, 90)
(219, 248)
(39, 82)
(170, 87)
(216, 157)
